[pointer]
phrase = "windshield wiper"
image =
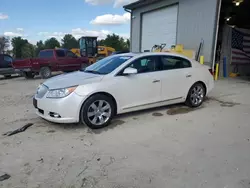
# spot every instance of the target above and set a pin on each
(92, 71)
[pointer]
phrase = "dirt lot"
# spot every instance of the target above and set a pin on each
(165, 147)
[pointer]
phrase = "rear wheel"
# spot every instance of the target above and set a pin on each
(29, 75)
(45, 72)
(196, 95)
(98, 111)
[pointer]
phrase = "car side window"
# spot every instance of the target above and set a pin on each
(70, 54)
(173, 62)
(60, 53)
(7, 58)
(46, 54)
(146, 64)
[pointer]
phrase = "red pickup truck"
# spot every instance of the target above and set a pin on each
(51, 60)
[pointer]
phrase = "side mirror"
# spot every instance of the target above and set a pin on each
(129, 71)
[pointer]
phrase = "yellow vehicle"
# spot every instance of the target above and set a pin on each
(178, 49)
(104, 51)
(89, 48)
(76, 51)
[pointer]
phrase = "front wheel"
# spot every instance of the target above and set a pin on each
(45, 72)
(196, 95)
(98, 111)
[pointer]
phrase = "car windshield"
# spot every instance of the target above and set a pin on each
(106, 65)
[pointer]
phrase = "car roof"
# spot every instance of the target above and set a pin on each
(126, 54)
(64, 49)
(142, 54)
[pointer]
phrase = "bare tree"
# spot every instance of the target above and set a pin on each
(4, 44)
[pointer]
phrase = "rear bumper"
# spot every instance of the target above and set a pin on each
(210, 85)
(9, 71)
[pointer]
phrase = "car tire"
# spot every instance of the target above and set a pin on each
(196, 95)
(45, 72)
(7, 76)
(98, 111)
(28, 75)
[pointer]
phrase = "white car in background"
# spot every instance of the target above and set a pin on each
(122, 83)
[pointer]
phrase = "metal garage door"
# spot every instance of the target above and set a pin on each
(159, 26)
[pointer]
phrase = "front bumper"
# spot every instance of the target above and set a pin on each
(67, 108)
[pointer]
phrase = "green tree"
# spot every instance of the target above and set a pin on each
(4, 44)
(69, 42)
(18, 43)
(116, 42)
(28, 51)
(51, 43)
(128, 44)
(10, 52)
(39, 46)
(101, 42)
(113, 41)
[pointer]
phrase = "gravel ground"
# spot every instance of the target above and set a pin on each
(163, 147)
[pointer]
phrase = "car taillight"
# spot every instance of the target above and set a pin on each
(211, 72)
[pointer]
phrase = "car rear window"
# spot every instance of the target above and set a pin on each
(174, 62)
(46, 54)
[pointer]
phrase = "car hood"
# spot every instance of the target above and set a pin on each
(72, 79)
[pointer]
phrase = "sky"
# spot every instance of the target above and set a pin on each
(39, 20)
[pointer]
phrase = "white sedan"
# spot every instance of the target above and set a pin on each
(122, 83)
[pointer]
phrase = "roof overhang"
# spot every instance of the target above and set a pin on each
(139, 3)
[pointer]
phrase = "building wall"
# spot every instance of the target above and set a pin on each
(196, 21)
(136, 21)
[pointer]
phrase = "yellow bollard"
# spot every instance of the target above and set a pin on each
(202, 59)
(216, 71)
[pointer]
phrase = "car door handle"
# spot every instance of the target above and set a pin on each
(156, 81)
(188, 75)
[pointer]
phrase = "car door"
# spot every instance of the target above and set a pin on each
(75, 62)
(45, 58)
(176, 77)
(68, 60)
(141, 89)
(63, 62)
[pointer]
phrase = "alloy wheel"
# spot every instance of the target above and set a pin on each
(46, 73)
(99, 112)
(197, 95)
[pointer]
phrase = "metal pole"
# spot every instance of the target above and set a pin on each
(225, 67)
(216, 71)
(216, 34)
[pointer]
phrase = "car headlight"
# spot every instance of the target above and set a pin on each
(60, 93)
